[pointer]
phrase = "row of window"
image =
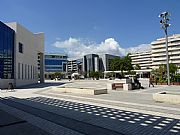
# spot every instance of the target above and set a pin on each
(54, 62)
(60, 68)
(27, 71)
(55, 56)
(6, 52)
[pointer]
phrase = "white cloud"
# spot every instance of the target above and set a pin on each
(139, 48)
(76, 48)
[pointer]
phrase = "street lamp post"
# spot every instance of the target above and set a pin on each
(165, 25)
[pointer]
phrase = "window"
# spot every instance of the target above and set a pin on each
(18, 70)
(6, 52)
(54, 62)
(31, 72)
(22, 71)
(25, 71)
(20, 47)
(28, 71)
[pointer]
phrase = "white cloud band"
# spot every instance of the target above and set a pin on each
(76, 48)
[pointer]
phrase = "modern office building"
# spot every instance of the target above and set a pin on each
(142, 59)
(159, 51)
(105, 61)
(74, 66)
(90, 63)
(55, 63)
(19, 50)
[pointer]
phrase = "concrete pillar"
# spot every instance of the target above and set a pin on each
(41, 67)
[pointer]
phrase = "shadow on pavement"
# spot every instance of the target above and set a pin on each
(85, 117)
(11, 125)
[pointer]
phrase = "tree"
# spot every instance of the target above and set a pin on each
(95, 74)
(137, 67)
(58, 74)
(110, 74)
(161, 72)
(173, 68)
(91, 74)
(122, 64)
(127, 63)
(115, 64)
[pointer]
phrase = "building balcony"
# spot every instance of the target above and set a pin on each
(139, 60)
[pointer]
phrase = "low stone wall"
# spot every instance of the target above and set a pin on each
(81, 91)
(173, 98)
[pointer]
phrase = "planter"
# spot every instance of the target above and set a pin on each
(163, 83)
(176, 83)
(172, 83)
(169, 97)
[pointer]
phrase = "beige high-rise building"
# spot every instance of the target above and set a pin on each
(159, 51)
(143, 59)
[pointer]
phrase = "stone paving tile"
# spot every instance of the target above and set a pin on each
(45, 125)
(22, 129)
(11, 125)
(80, 126)
(162, 109)
(7, 119)
(124, 121)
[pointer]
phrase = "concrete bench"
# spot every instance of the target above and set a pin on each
(116, 86)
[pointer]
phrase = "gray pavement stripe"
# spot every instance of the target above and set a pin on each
(130, 129)
(67, 122)
(105, 104)
(127, 103)
(43, 124)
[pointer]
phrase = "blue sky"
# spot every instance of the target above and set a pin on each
(128, 22)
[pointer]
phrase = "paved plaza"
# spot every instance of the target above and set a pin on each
(49, 111)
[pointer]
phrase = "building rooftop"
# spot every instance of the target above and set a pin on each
(57, 54)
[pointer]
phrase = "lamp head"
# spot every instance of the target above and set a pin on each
(164, 14)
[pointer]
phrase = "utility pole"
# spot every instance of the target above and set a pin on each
(165, 25)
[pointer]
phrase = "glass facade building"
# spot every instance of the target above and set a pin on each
(6, 52)
(55, 63)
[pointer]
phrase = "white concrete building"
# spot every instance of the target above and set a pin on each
(159, 51)
(27, 46)
(143, 59)
(74, 66)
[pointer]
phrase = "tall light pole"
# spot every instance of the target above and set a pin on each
(165, 25)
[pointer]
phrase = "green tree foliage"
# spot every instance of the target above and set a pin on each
(172, 68)
(95, 74)
(115, 64)
(160, 73)
(110, 74)
(137, 67)
(127, 63)
(58, 74)
(122, 64)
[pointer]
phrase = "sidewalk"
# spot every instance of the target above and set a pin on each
(11, 125)
(120, 100)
